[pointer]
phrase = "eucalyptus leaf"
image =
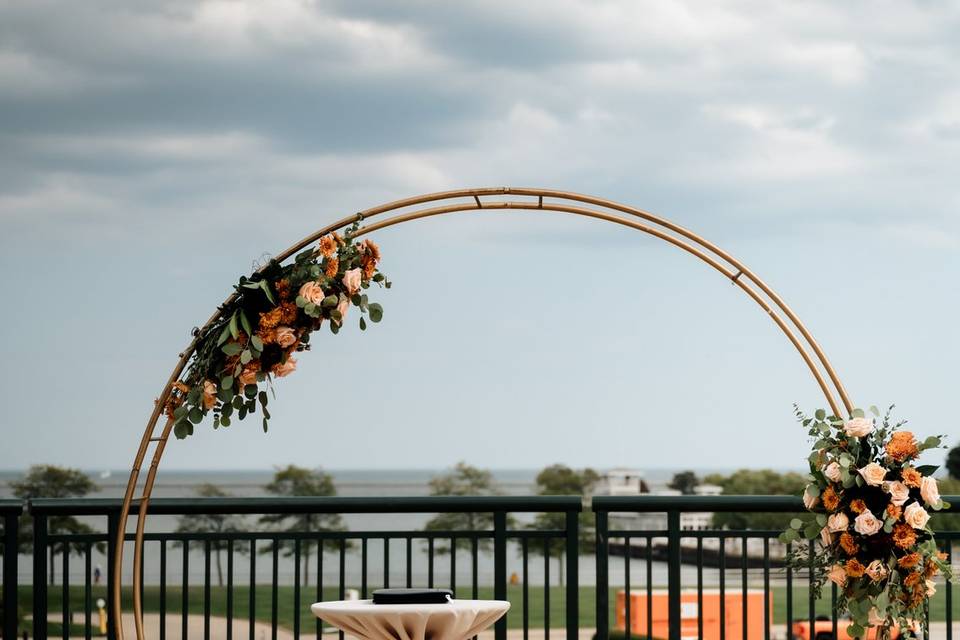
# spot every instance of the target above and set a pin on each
(231, 348)
(246, 356)
(257, 343)
(196, 416)
(376, 312)
(234, 330)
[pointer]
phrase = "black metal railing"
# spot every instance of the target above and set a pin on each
(285, 596)
(732, 552)
(650, 552)
(10, 511)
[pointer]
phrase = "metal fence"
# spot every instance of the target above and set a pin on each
(635, 556)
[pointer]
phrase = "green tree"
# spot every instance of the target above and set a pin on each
(953, 462)
(756, 482)
(561, 480)
(947, 521)
(462, 480)
(684, 482)
(219, 523)
(49, 481)
(297, 481)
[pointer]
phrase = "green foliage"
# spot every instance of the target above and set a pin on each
(684, 482)
(243, 343)
(953, 462)
(561, 480)
(756, 482)
(49, 481)
(213, 523)
(298, 481)
(947, 521)
(462, 480)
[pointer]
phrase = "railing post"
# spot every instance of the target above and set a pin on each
(11, 527)
(39, 575)
(500, 568)
(113, 524)
(673, 573)
(573, 577)
(603, 602)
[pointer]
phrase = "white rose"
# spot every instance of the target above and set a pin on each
(873, 474)
(810, 500)
(916, 516)
(867, 524)
(832, 471)
(899, 492)
(929, 491)
(838, 522)
(858, 427)
(931, 588)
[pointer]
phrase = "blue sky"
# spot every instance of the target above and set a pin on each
(152, 153)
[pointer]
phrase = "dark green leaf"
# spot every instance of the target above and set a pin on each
(266, 290)
(231, 348)
(363, 324)
(257, 343)
(246, 356)
(224, 335)
(265, 427)
(262, 397)
(226, 382)
(196, 415)
(182, 429)
(234, 330)
(376, 312)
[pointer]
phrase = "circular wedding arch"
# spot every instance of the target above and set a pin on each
(470, 200)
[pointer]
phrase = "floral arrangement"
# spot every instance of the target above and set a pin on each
(269, 319)
(869, 505)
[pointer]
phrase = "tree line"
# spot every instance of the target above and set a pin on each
(48, 481)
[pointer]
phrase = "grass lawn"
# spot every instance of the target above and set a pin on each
(286, 606)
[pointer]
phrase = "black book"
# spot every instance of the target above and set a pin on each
(412, 596)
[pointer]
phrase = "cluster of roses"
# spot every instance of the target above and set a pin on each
(871, 505)
(270, 319)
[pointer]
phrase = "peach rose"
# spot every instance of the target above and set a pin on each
(838, 522)
(931, 588)
(826, 537)
(915, 515)
(248, 375)
(282, 369)
(873, 474)
(867, 524)
(209, 394)
(929, 491)
(286, 337)
(899, 492)
(342, 307)
(838, 575)
(877, 570)
(832, 471)
(312, 292)
(351, 280)
(810, 500)
(858, 427)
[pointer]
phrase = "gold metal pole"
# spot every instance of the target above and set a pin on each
(707, 252)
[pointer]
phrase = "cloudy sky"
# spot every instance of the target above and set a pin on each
(154, 151)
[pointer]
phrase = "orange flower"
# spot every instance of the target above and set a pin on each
(902, 446)
(333, 266)
(283, 289)
(369, 248)
(911, 477)
(369, 266)
(913, 580)
(854, 568)
(288, 313)
(904, 536)
(249, 373)
(181, 387)
(909, 561)
(858, 506)
(894, 511)
(267, 336)
(271, 318)
(830, 499)
(328, 245)
(848, 544)
(209, 394)
(930, 570)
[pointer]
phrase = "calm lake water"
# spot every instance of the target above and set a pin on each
(376, 483)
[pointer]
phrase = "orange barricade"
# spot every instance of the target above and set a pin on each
(690, 612)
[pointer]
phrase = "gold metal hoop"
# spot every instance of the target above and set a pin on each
(473, 200)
